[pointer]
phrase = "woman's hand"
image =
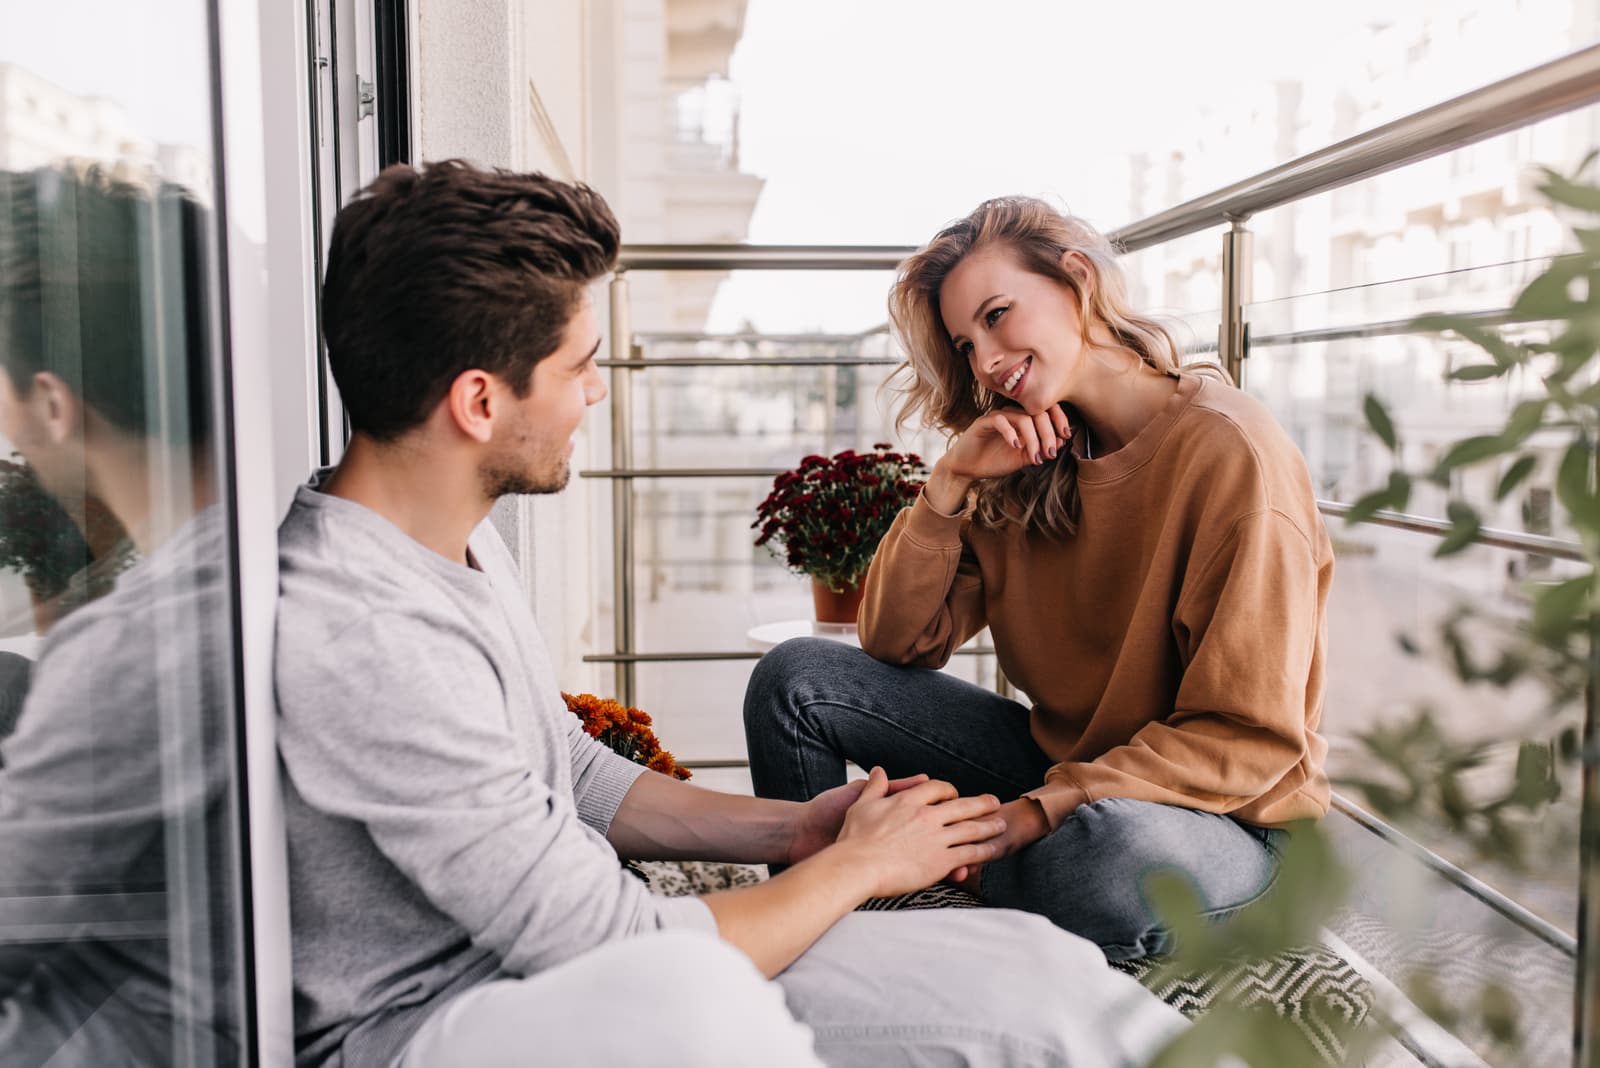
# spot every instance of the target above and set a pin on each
(995, 445)
(919, 835)
(1026, 823)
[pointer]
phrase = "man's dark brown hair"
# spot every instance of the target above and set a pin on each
(437, 271)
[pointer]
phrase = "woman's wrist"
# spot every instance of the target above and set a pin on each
(945, 490)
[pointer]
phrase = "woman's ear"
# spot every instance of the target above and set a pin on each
(1078, 266)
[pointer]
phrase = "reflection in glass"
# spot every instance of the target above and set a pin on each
(119, 905)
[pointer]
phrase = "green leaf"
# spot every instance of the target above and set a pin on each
(1502, 352)
(1547, 296)
(1535, 776)
(1393, 497)
(1463, 531)
(1573, 481)
(1477, 372)
(1559, 608)
(1563, 190)
(1515, 475)
(1526, 418)
(1473, 450)
(1399, 490)
(1378, 419)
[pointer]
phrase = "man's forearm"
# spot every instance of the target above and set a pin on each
(661, 818)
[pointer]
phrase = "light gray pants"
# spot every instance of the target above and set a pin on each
(974, 987)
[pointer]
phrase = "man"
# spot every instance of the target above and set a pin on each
(119, 886)
(453, 834)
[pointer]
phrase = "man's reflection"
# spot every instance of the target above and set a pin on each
(118, 888)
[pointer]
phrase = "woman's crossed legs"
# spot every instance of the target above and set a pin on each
(814, 704)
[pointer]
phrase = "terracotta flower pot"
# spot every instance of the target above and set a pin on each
(834, 607)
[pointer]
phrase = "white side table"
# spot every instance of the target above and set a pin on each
(766, 635)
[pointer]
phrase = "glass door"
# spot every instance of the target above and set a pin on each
(122, 903)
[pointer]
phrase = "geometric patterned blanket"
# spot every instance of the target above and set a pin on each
(1312, 987)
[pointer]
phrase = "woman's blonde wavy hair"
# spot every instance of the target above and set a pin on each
(936, 382)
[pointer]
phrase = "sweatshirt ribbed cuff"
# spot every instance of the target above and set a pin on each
(1060, 798)
(933, 528)
(608, 783)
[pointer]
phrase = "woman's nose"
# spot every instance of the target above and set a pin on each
(987, 356)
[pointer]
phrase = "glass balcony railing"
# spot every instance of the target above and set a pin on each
(1455, 938)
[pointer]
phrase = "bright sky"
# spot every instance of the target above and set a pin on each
(150, 56)
(877, 121)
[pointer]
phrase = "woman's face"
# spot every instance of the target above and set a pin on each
(1020, 332)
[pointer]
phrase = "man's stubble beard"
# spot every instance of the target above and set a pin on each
(502, 479)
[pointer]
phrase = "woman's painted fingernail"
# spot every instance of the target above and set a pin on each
(1052, 452)
(1035, 457)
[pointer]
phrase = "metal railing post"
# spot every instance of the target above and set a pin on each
(1238, 246)
(622, 488)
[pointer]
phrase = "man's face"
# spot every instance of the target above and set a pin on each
(532, 448)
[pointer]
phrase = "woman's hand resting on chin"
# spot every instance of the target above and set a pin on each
(995, 445)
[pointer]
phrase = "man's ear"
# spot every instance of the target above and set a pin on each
(471, 404)
(1078, 266)
(53, 407)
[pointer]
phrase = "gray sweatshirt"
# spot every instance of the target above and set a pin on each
(446, 813)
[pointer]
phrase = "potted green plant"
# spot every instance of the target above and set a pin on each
(826, 517)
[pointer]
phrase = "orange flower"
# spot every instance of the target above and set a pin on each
(626, 731)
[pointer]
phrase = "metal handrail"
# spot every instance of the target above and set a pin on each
(646, 337)
(1535, 544)
(1559, 86)
(714, 257)
(756, 361)
(1535, 925)
(685, 472)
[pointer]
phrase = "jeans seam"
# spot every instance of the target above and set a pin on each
(1272, 881)
(804, 707)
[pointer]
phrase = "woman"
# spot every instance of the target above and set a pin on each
(1143, 544)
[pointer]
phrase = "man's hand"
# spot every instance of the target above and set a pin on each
(913, 838)
(816, 825)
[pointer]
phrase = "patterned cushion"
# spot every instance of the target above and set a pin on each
(1312, 986)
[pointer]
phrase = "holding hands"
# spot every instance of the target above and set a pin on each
(914, 836)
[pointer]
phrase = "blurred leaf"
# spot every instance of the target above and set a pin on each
(1557, 609)
(1535, 776)
(1547, 296)
(1378, 419)
(1473, 450)
(1515, 475)
(1477, 372)
(1500, 1014)
(1569, 745)
(1504, 354)
(1526, 418)
(1563, 190)
(1394, 496)
(1464, 529)
(1573, 480)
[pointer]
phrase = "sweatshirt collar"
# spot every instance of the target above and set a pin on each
(1145, 443)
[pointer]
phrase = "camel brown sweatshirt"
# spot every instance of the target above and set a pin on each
(1174, 647)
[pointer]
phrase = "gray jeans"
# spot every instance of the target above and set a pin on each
(814, 704)
(981, 988)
